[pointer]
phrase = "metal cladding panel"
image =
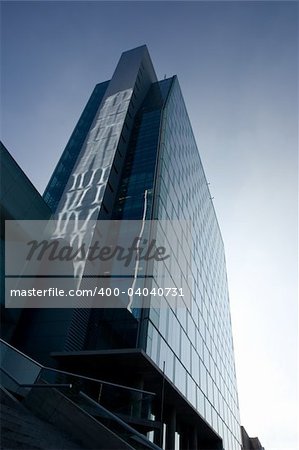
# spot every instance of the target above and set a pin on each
(127, 70)
(85, 191)
(66, 163)
(86, 186)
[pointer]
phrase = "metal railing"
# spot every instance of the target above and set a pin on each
(63, 372)
(20, 374)
(35, 385)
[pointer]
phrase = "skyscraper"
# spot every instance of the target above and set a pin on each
(133, 156)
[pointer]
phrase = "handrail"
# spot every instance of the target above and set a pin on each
(54, 385)
(100, 381)
(21, 353)
(141, 437)
(109, 414)
(75, 374)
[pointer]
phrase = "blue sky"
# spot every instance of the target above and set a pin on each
(237, 64)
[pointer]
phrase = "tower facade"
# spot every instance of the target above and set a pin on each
(133, 156)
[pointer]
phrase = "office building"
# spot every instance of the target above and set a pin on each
(19, 200)
(133, 156)
(250, 443)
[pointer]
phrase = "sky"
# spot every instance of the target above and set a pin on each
(237, 64)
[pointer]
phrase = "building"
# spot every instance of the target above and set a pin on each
(249, 443)
(133, 156)
(19, 200)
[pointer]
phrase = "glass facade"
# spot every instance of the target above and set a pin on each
(192, 344)
(142, 125)
(140, 165)
(64, 168)
(195, 343)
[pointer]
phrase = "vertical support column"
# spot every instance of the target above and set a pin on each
(137, 398)
(158, 437)
(193, 439)
(158, 432)
(170, 429)
(184, 439)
